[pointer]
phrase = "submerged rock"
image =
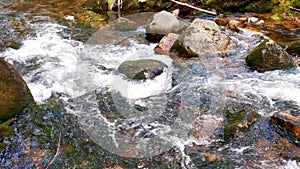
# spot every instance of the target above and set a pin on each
(294, 48)
(269, 56)
(288, 121)
(201, 38)
(160, 24)
(14, 93)
(142, 69)
(238, 122)
(118, 32)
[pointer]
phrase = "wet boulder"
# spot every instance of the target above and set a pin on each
(294, 48)
(165, 44)
(201, 38)
(268, 56)
(14, 93)
(161, 24)
(142, 69)
(288, 120)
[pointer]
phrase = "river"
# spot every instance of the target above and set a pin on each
(84, 76)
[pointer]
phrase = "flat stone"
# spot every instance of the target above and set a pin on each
(141, 69)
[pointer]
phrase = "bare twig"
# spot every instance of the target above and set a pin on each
(119, 7)
(193, 7)
(57, 151)
(295, 9)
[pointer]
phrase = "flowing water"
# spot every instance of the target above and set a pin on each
(143, 119)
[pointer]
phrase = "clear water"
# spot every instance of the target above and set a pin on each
(55, 66)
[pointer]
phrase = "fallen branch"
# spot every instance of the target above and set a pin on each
(57, 151)
(295, 9)
(193, 7)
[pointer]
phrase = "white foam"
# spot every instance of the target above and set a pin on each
(275, 85)
(52, 58)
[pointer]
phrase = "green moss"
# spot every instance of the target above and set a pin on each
(71, 152)
(5, 131)
(268, 56)
(260, 6)
(296, 3)
(294, 48)
(253, 60)
(238, 123)
(50, 105)
(233, 119)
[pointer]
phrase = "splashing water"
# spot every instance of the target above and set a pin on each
(52, 65)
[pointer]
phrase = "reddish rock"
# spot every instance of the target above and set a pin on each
(222, 21)
(233, 26)
(165, 44)
(212, 158)
(288, 120)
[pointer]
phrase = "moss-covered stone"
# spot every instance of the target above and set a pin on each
(14, 93)
(136, 69)
(238, 122)
(294, 48)
(5, 131)
(268, 56)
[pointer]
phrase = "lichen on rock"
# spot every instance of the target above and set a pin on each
(268, 56)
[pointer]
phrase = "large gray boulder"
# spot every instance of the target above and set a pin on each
(161, 24)
(201, 38)
(269, 56)
(14, 93)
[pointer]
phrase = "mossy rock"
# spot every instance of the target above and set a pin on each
(260, 6)
(14, 93)
(238, 122)
(5, 131)
(269, 56)
(136, 69)
(294, 48)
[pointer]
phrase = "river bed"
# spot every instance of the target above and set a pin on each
(84, 77)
